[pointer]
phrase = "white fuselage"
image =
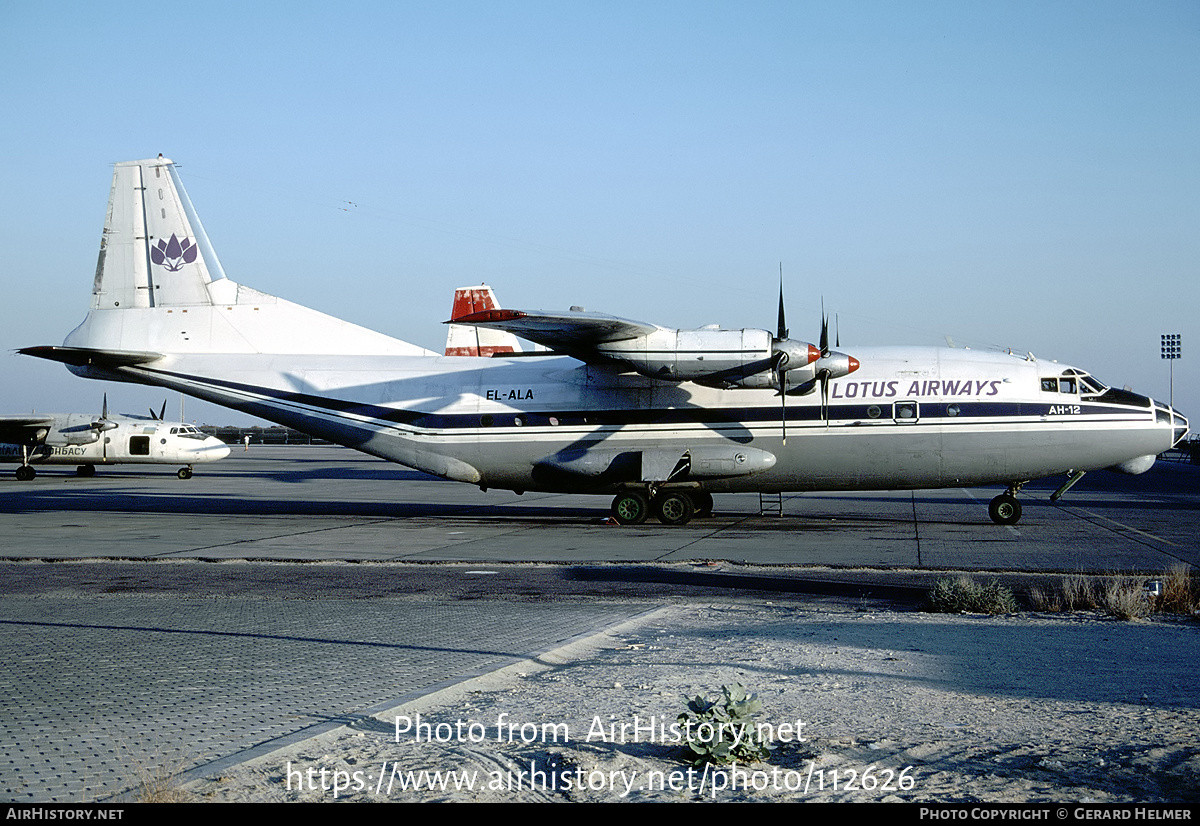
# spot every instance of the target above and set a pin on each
(908, 418)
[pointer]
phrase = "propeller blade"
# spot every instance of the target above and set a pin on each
(781, 359)
(824, 331)
(162, 414)
(824, 377)
(104, 408)
(781, 330)
(783, 415)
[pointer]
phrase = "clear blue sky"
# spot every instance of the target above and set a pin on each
(1014, 174)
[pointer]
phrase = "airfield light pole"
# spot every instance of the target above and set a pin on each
(1172, 346)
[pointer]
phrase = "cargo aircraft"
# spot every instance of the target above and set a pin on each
(658, 418)
(86, 440)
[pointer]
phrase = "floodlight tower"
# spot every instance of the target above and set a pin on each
(1172, 348)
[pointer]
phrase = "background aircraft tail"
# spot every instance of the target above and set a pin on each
(464, 340)
(159, 287)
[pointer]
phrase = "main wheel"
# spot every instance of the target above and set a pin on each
(674, 508)
(25, 473)
(184, 473)
(631, 507)
(85, 470)
(1005, 510)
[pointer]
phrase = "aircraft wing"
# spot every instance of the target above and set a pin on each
(575, 332)
(15, 430)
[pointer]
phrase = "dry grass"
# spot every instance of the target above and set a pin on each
(1080, 593)
(1125, 597)
(159, 782)
(1181, 592)
(1121, 596)
(1049, 600)
(953, 596)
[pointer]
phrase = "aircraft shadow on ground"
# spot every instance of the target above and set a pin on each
(35, 502)
(981, 657)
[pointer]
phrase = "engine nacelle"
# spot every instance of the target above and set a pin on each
(74, 436)
(723, 358)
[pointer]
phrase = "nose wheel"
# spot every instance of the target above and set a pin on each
(1005, 509)
(185, 472)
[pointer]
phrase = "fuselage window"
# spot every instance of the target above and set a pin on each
(873, 411)
(1050, 385)
(139, 445)
(953, 410)
(905, 410)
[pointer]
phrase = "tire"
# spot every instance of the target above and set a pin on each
(630, 508)
(85, 470)
(674, 508)
(1005, 510)
(184, 473)
(703, 501)
(25, 473)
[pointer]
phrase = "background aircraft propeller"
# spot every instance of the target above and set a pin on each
(101, 424)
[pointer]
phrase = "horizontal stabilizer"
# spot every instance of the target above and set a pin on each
(88, 357)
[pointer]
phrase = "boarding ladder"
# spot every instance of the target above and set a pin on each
(770, 504)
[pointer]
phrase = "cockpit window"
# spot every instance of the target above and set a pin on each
(1090, 385)
(1066, 385)
(187, 431)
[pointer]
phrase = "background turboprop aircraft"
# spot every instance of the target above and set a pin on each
(86, 440)
(659, 418)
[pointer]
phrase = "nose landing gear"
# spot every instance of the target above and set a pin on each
(1005, 509)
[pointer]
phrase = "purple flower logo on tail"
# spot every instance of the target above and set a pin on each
(174, 254)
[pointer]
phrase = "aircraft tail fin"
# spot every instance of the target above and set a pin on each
(160, 288)
(466, 340)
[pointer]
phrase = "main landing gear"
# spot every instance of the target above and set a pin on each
(1005, 509)
(25, 472)
(672, 507)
